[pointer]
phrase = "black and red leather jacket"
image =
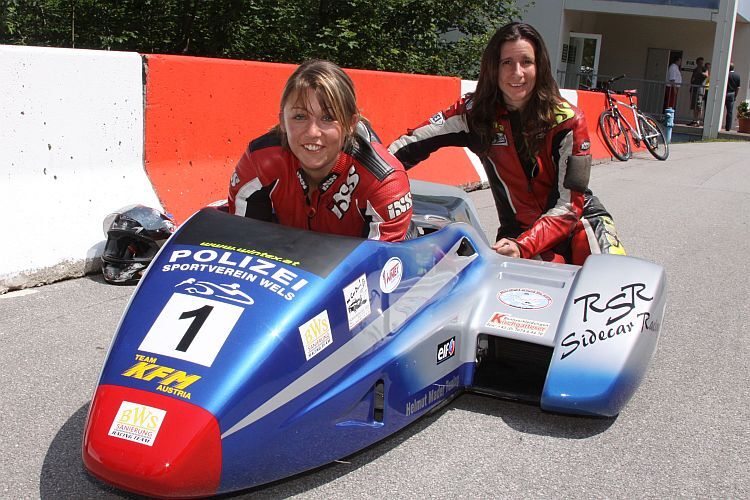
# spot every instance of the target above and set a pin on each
(366, 194)
(539, 202)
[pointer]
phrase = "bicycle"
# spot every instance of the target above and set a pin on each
(616, 128)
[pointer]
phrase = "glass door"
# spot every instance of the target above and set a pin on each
(581, 58)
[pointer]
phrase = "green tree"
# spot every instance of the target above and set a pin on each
(415, 36)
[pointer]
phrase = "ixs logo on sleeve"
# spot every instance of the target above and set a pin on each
(137, 423)
(400, 206)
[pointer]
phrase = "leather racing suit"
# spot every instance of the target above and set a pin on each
(542, 201)
(366, 194)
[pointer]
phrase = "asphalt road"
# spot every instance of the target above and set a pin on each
(686, 432)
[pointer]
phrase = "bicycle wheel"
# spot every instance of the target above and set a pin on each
(615, 137)
(653, 137)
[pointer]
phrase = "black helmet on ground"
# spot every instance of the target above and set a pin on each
(134, 235)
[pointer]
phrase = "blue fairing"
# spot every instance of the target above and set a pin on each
(328, 398)
(606, 338)
(293, 348)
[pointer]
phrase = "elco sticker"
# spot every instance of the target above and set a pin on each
(446, 350)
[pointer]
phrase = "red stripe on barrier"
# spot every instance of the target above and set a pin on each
(200, 115)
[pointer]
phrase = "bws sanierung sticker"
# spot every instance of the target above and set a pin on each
(137, 423)
(316, 335)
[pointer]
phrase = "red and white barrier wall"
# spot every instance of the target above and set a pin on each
(86, 132)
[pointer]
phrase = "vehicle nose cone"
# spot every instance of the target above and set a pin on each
(152, 444)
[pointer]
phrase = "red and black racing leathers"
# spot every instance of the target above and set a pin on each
(543, 201)
(366, 194)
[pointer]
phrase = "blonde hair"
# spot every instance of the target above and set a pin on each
(333, 89)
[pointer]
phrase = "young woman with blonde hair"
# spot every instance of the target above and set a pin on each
(322, 168)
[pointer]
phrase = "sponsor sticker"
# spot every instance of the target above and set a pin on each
(585, 145)
(512, 324)
(265, 271)
(316, 335)
(227, 291)
(390, 276)
(435, 393)
(137, 423)
(438, 119)
(500, 139)
(357, 298)
(168, 380)
(524, 298)
(446, 350)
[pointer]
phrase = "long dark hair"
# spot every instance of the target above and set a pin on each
(538, 115)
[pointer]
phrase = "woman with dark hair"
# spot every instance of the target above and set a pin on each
(534, 146)
(322, 168)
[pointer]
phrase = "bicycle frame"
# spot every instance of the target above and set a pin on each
(613, 102)
(616, 124)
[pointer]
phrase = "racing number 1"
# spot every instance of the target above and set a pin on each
(200, 316)
(210, 323)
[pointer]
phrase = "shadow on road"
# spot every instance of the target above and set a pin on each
(63, 475)
(531, 419)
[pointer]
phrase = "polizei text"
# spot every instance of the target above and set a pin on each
(269, 275)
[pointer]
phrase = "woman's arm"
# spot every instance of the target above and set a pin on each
(445, 128)
(248, 197)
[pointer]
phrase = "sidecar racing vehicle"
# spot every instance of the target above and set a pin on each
(251, 352)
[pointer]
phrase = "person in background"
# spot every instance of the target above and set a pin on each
(321, 168)
(706, 85)
(674, 80)
(733, 85)
(697, 91)
(535, 148)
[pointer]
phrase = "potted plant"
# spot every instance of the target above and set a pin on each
(743, 115)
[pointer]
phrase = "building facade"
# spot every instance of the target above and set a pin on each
(593, 40)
